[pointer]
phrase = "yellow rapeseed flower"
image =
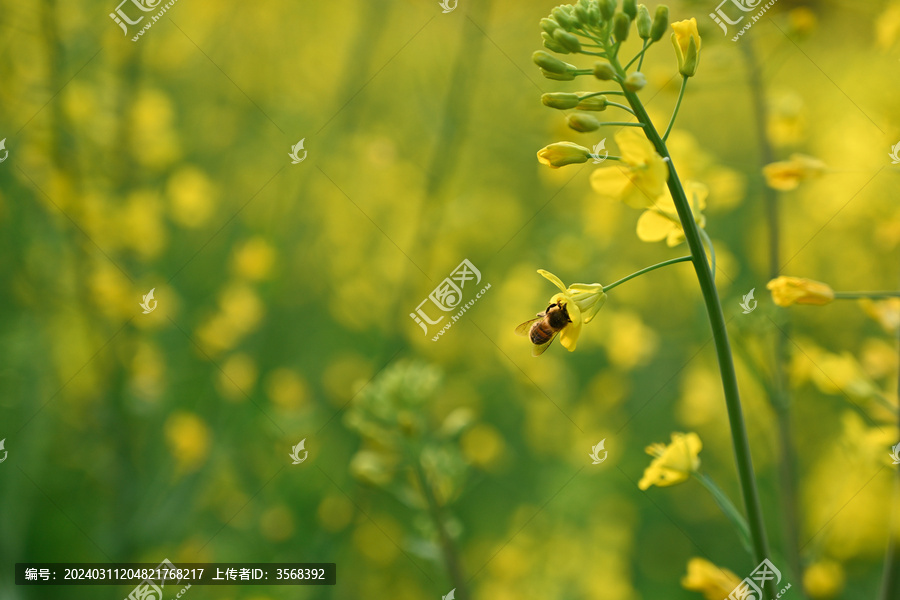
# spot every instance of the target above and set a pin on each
(824, 579)
(672, 464)
(639, 178)
(661, 222)
(796, 290)
(715, 583)
(787, 175)
(686, 40)
(580, 302)
(561, 154)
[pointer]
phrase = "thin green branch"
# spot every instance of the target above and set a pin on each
(665, 136)
(727, 506)
(665, 263)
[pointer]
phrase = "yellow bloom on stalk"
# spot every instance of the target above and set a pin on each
(581, 301)
(787, 175)
(561, 154)
(672, 464)
(639, 178)
(796, 290)
(686, 40)
(713, 582)
(661, 222)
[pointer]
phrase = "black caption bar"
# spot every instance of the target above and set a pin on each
(167, 574)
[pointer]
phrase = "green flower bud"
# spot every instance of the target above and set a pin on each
(621, 25)
(604, 71)
(594, 103)
(549, 25)
(644, 22)
(583, 123)
(660, 23)
(567, 76)
(607, 9)
(594, 15)
(552, 45)
(581, 13)
(567, 40)
(548, 62)
(564, 18)
(629, 7)
(635, 81)
(560, 100)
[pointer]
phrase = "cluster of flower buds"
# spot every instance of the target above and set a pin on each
(588, 21)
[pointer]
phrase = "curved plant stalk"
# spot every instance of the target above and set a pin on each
(740, 441)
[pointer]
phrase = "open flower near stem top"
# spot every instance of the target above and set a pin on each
(713, 582)
(787, 175)
(574, 306)
(661, 222)
(796, 290)
(639, 178)
(672, 464)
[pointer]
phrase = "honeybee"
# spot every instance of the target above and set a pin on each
(542, 330)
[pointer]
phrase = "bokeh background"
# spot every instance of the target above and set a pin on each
(284, 294)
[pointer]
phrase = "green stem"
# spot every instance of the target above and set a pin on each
(665, 263)
(684, 81)
(712, 250)
(740, 440)
(890, 582)
(861, 295)
(727, 506)
(780, 396)
(622, 106)
(448, 547)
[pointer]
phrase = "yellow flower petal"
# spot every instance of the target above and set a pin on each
(654, 227)
(553, 278)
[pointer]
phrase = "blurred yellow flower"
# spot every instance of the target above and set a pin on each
(640, 177)
(286, 389)
(191, 195)
(561, 154)
(686, 40)
(580, 302)
(796, 290)
(254, 259)
(661, 222)
(188, 438)
(277, 523)
(787, 175)
(672, 464)
(715, 583)
(885, 312)
(237, 377)
(824, 579)
(482, 445)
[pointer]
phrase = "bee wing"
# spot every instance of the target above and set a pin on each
(537, 350)
(525, 328)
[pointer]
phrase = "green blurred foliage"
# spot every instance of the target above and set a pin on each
(284, 291)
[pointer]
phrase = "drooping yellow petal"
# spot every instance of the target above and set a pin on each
(610, 182)
(715, 583)
(797, 290)
(553, 278)
(674, 463)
